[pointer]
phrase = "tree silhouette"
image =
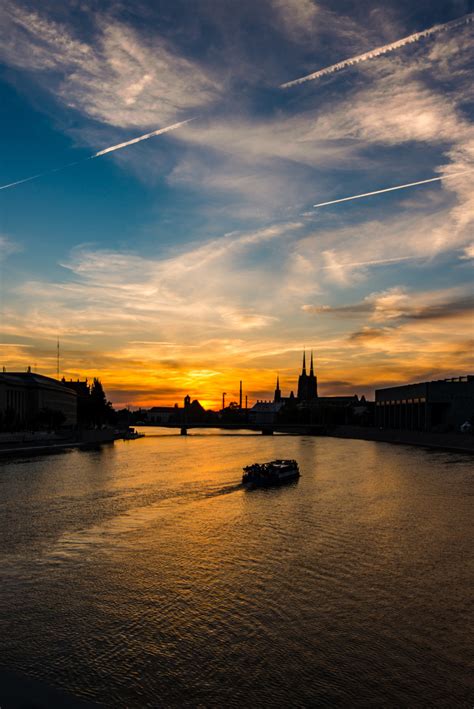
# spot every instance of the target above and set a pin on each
(100, 409)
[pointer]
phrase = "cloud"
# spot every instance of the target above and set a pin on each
(117, 76)
(298, 17)
(397, 107)
(441, 221)
(468, 252)
(399, 304)
(367, 334)
(309, 23)
(440, 311)
(207, 288)
(7, 247)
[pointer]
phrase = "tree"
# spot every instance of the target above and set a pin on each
(101, 409)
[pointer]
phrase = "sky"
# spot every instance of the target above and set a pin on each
(193, 259)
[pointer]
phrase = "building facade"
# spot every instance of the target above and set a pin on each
(265, 412)
(439, 405)
(24, 396)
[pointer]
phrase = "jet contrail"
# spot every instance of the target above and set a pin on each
(378, 51)
(119, 146)
(112, 148)
(377, 262)
(392, 189)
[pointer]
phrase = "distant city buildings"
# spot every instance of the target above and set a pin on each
(161, 414)
(191, 410)
(307, 406)
(30, 401)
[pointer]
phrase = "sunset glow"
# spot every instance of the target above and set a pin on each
(194, 258)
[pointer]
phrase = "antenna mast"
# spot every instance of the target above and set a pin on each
(57, 359)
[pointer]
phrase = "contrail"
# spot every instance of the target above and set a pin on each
(378, 51)
(119, 146)
(112, 148)
(371, 263)
(41, 174)
(392, 189)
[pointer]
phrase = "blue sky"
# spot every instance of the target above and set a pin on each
(195, 258)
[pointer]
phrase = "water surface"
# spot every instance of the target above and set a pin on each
(141, 574)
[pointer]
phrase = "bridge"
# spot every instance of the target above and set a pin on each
(308, 429)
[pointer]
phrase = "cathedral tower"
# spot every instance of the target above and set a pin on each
(307, 383)
(277, 396)
(303, 381)
(312, 381)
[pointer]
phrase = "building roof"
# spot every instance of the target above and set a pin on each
(272, 406)
(80, 387)
(463, 379)
(339, 399)
(31, 379)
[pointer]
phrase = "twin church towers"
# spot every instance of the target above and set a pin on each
(307, 384)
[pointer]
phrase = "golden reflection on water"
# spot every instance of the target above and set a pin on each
(144, 570)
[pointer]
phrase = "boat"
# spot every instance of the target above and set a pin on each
(131, 434)
(275, 472)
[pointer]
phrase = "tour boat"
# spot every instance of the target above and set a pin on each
(131, 434)
(276, 472)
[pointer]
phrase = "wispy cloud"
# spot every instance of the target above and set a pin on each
(398, 303)
(468, 253)
(117, 77)
(7, 247)
(379, 51)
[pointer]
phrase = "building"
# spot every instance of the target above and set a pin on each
(27, 398)
(191, 412)
(83, 392)
(265, 412)
(307, 392)
(277, 396)
(439, 405)
(309, 407)
(162, 414)
(307, 383)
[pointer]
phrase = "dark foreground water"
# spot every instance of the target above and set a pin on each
(141, 574)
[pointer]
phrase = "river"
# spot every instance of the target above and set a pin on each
(142, 575)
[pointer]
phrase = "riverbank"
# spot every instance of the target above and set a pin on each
(457, 442)
(37, 443)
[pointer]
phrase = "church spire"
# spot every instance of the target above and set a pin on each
(303, 371)
(277, 396)
(311, 371)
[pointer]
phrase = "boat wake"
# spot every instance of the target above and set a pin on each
(112, 532)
